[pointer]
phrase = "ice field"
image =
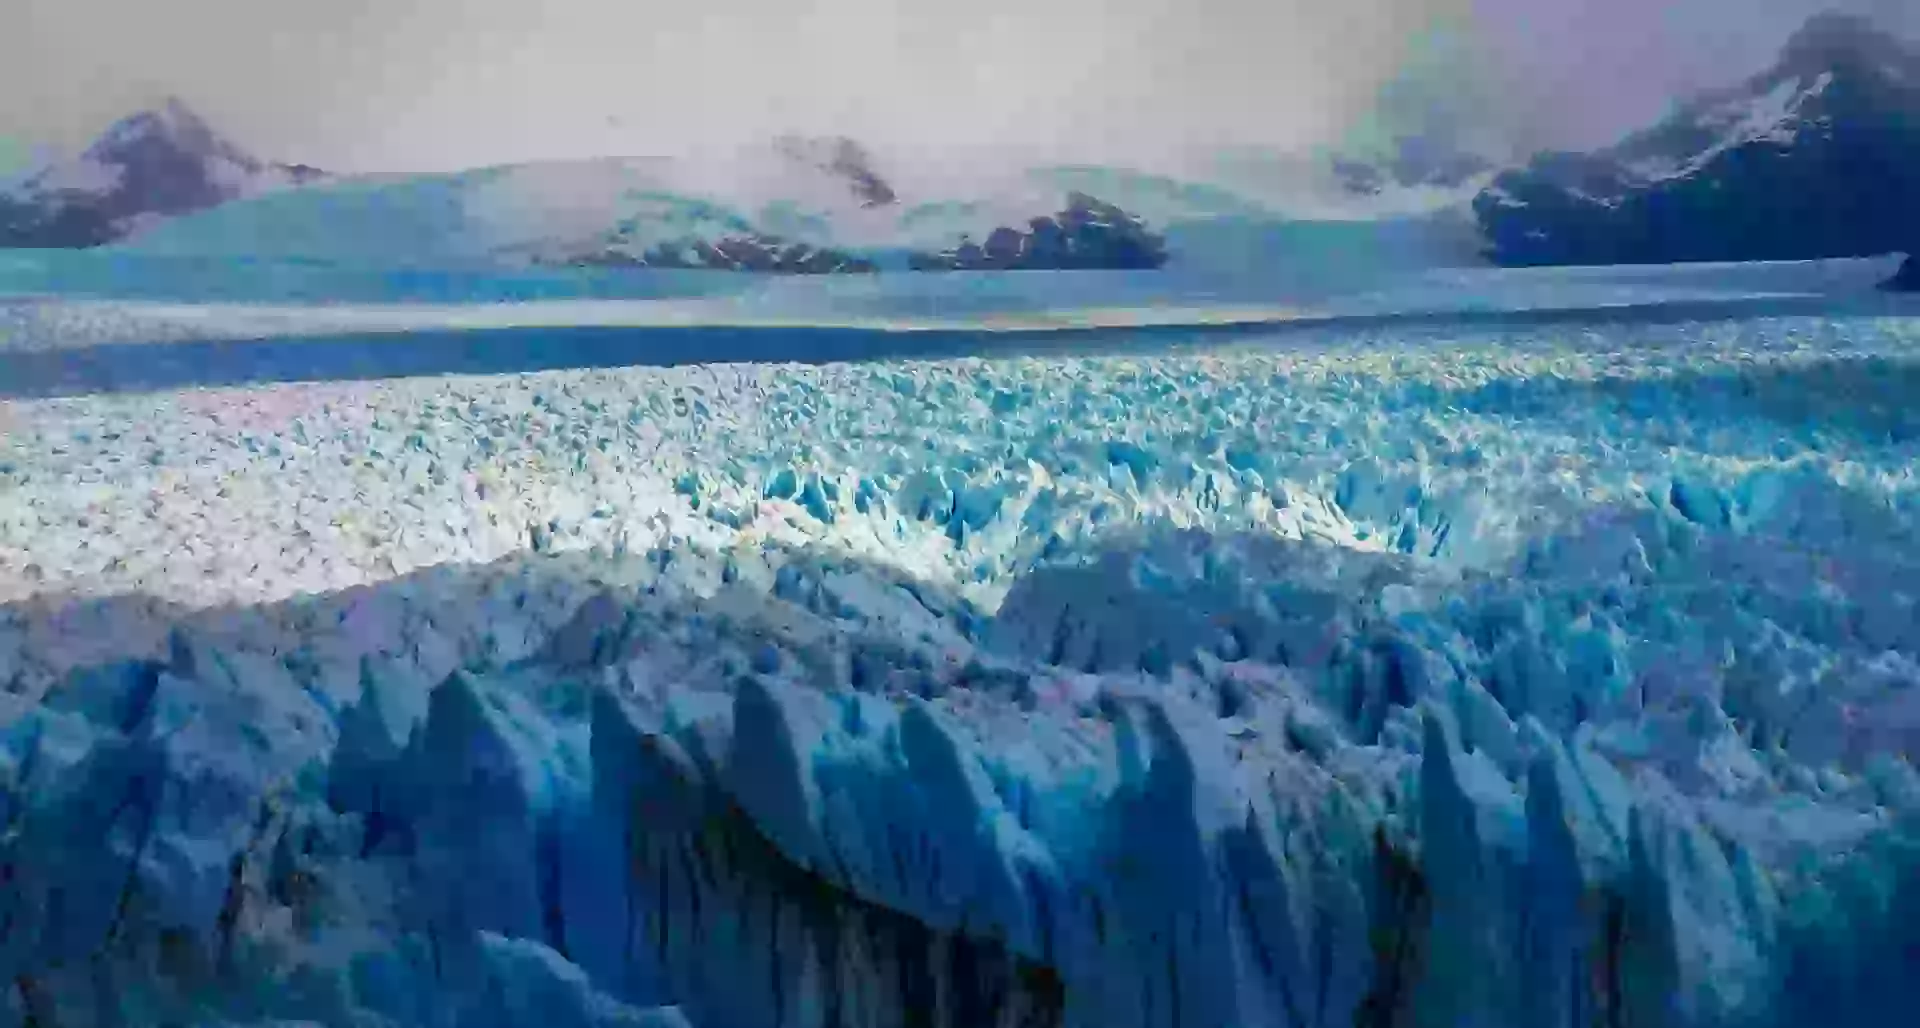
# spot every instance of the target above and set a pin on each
(1496, 649)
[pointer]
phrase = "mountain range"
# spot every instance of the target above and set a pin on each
(1817, 156)
(165, 181)
(145, 168)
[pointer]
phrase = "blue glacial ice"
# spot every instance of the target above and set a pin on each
(1424, 676)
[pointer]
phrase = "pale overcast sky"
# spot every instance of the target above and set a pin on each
(359, 85)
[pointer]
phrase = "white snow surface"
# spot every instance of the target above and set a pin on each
(561, 209)
(1121, 691)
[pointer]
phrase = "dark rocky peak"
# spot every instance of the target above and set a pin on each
(842, 157)
(1837, 42)
(301, 174)
(1833, 54)
(1836, 66)
(148, 166)
(170, 132)
(168, 161)
(1816, 156)
(1907, 280)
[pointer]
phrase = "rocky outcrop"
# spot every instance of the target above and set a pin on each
(1812, 158)
(147, 167)
(1907, 279)
(759, 253)
(1088, 234)
(843, 158)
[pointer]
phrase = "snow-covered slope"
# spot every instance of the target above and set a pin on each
(1401, 677)
(164, 184)
(674, 213)
(1818, 156)
(724, 211)
(146, 168)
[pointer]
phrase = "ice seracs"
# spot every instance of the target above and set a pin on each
(1433, 675)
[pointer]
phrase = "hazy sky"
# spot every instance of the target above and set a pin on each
(429, 84)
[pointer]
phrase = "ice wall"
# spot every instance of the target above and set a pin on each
(752, 788)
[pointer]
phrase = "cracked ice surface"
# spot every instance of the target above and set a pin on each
(1432, 676)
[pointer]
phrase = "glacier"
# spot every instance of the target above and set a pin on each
(667, 212)
(1451, 671)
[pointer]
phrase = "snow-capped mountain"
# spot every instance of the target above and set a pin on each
(1818, 156)
(792, 206)
(145, 168)
(163, 183)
